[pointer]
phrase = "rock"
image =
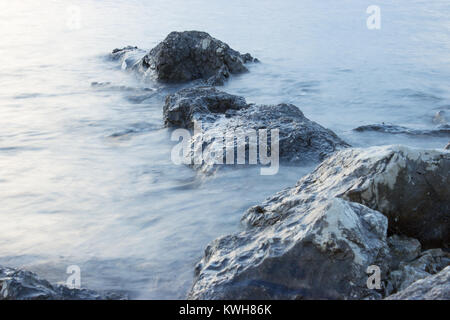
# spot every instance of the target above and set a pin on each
(430, 262)
(403, 249)
(276, 257)
(435, 287)
(447, 147)
(441, 131)
(132, 94)
(205, 104)
(189, 55)
(409, 186)
(117, 53)
(128, 56)
(321, 252)
(300, 139)
(24, 285)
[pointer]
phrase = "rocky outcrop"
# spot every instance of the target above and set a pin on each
(435, 287)
(186, 56)
(409, 186)
(403, 249)
(322, 252)
(428, 263)
(441, 131)
(221, 114)
(24, 285)
(317, 239)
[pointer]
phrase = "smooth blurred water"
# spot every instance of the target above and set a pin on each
(85, 172)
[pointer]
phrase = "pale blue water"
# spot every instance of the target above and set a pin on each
(85, 173)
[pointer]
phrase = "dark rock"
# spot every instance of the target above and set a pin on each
(409, 186)
(441, 131)
(435, 287)
(430, 262)
(205, 104)
(322, 252)
(299, 242)
(447, 147)
(403, 249)
(24, 285)
(300, 139)
(186, 56)
(118, 53)
(128, 56)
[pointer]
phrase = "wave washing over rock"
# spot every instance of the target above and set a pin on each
(300, 139)
(186, 56)
(18, 284)
(317, 239)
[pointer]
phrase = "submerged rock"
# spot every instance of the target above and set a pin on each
(221, 114)
(435, 287)
(128, 56)
(186, 56)
(24, 285)
(132, 94)
(316, 240)
(440, 131)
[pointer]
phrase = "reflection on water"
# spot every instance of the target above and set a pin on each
(85, 170)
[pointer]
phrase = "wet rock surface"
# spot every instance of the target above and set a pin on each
(322, 252)
(186, 56)
(300, 139)
(403, 249)
(128, 56)
(435, 287)
(409, 186)
(316, 240)
(442, 130)
(18, 284)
